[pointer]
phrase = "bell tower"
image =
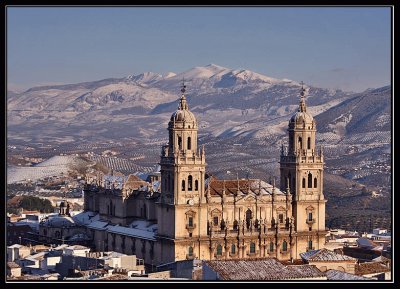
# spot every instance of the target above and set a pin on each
(301, 170)
(182, 174)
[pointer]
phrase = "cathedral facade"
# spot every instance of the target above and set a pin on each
(195, 216)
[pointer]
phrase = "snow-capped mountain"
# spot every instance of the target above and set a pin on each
(238, 101)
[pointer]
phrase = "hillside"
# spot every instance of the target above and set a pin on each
(242, 115)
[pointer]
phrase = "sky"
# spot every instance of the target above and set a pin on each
(346, 48)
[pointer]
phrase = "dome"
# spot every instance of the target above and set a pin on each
(59, 221)
(183, 115)
(302, 116)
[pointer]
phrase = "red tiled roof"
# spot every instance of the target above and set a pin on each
(263, 269)
(232, 187)
(370, 268)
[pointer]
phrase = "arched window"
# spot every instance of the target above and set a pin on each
(248, 217)
(233, 249)
(196, 185)
(190, 251)
(304, 183)
(309, 143)
(189, 143)
(310, 245)
(190, 182)
(300, 143)
(309, 180)
(183, 185)
(252, 248)
(271, 247)
(219, 250)
(284, 246)
(180, 142)
(235, 225)
(315, 182)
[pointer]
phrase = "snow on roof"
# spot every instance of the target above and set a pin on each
(132, 232)
(244, 185)
(58, 221)
(79, 237)
(324, 255)
(338, 275)
(31, 223)
(37, 256)
(86, 217)
(144, 225)
(111, 254)
(98, 225)
(77, 247)
(61, 247)
(15, 246)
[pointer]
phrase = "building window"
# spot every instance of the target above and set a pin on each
(196, 185)
(183, 185)
(304, 183)
(310, 216)
(248, 217)
(271, 247)
(315, 182)
(190, 222)
(235, 225)
(180, 142)
(252, 248)
(215, 221)
(190, 251)
(189, 143)
(219, 250)
(280, 218)
(300, 143)
(309, 143)
(284, 246)
(233, 249)
(309, 180)
(310, 245)
(190, 182)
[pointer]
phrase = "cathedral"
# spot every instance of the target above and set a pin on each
(187, 214)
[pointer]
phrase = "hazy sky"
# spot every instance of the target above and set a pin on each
(347, 48)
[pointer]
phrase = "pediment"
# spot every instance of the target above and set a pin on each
(246, 199)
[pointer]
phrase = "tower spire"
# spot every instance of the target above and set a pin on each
(302, 105)
(183, 104)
